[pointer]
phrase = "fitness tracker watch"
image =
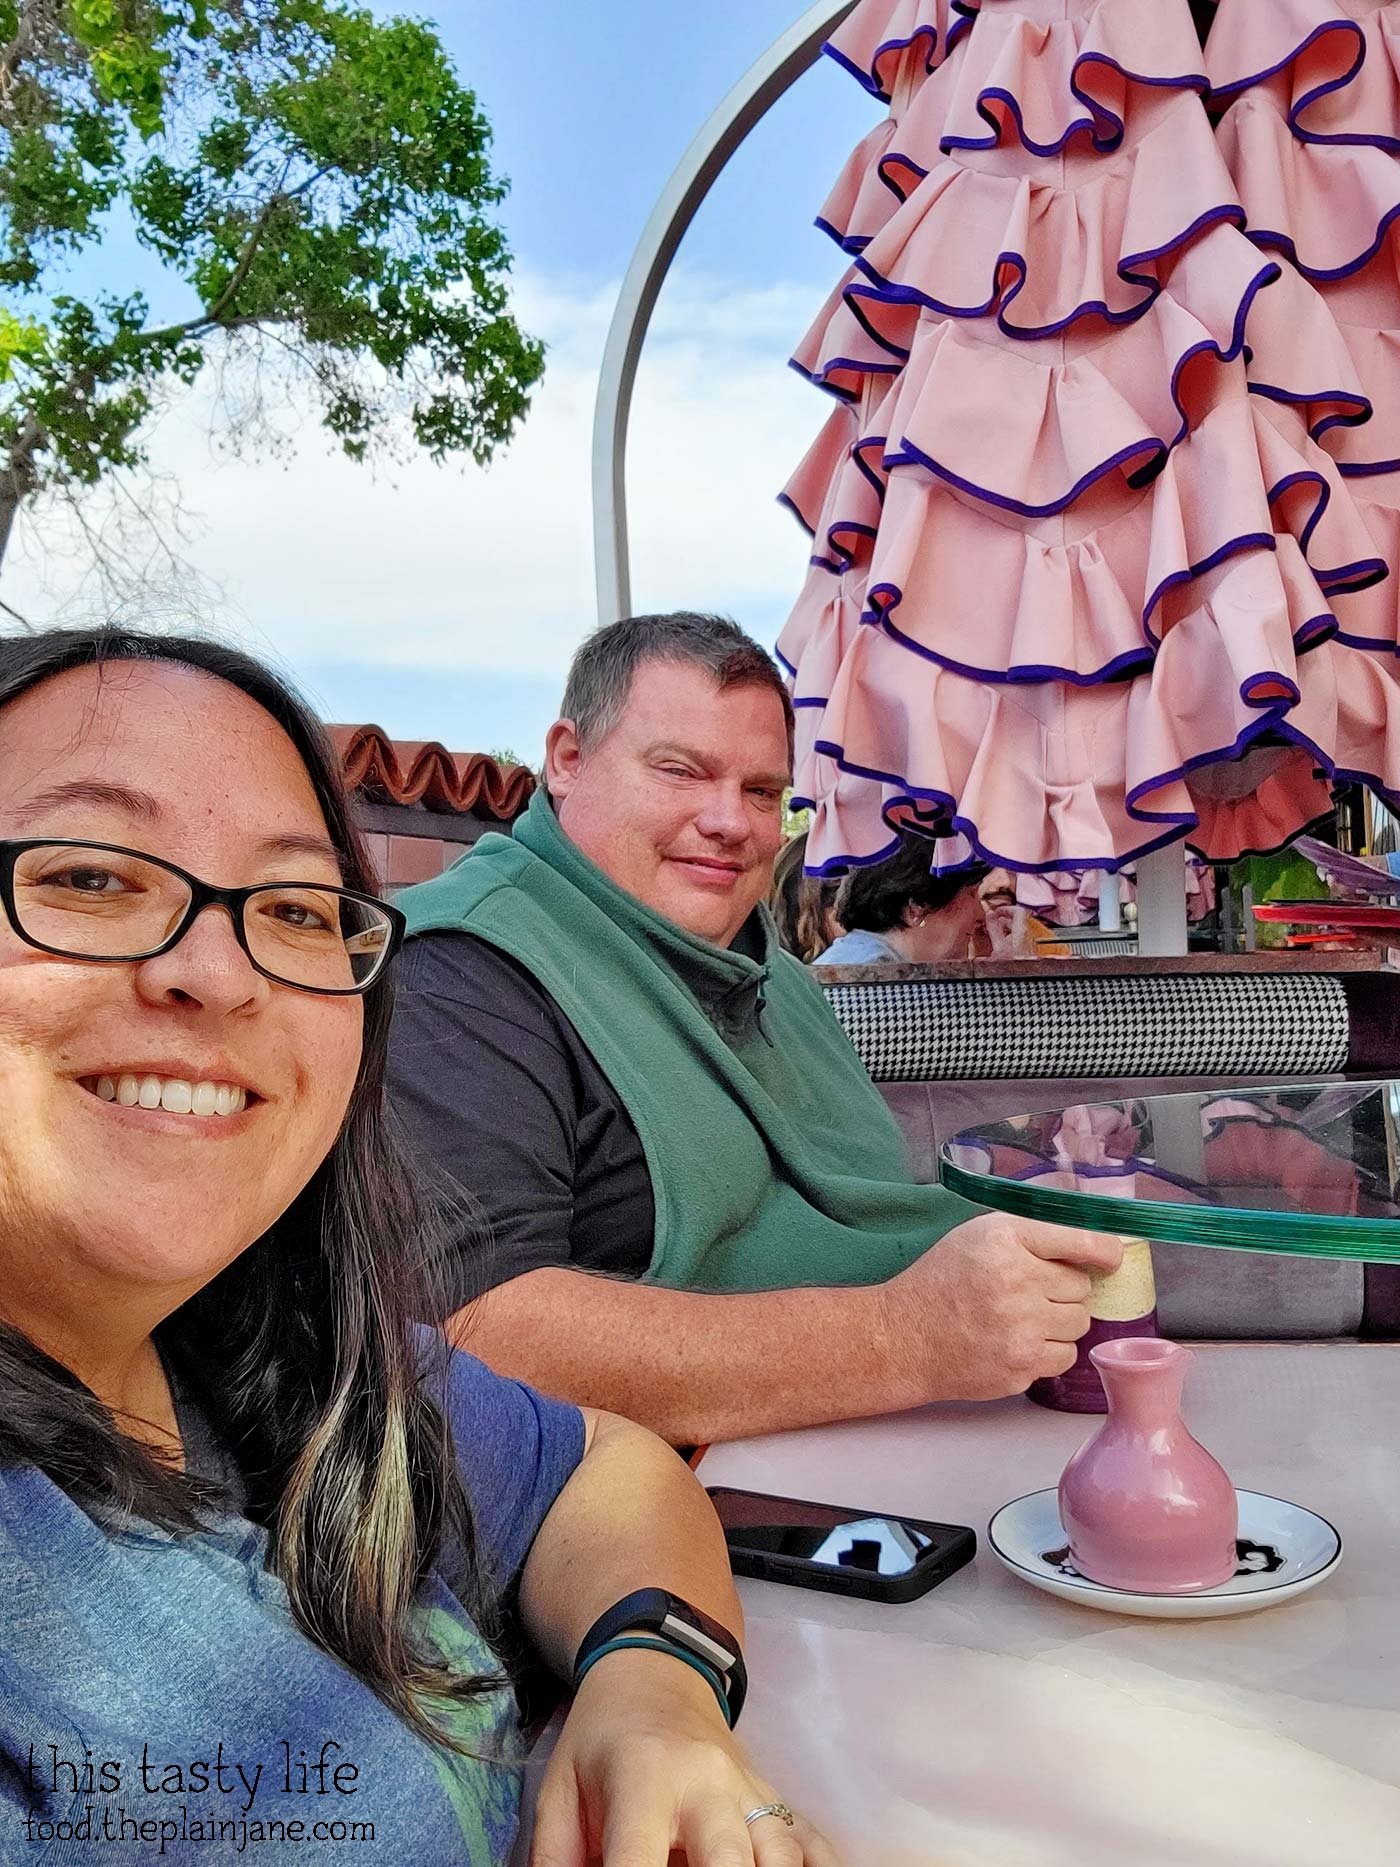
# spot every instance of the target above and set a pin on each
(671, 1619)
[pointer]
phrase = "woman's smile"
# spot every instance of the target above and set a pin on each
(136, 1070)
(195, 1100)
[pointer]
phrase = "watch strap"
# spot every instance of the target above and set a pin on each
(674, 1620)
(648, 1643)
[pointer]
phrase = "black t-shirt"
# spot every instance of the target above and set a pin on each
(497, 1091)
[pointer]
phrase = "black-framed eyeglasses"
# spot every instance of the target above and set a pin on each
(100, 902)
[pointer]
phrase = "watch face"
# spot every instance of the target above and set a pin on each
(702, 1636)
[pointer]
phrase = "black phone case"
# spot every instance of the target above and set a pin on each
(954, 1555)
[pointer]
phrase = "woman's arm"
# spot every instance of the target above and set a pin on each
(645, 1764)
(632, 1516)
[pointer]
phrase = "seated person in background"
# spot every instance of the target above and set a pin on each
(899, 910)
(699, 1208)
(244, 1499)
(802, 904)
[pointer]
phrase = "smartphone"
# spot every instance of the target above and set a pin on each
(848, 1551)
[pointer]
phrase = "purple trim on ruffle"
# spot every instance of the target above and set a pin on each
(859, 449)
(838, 865)
(1359, 139)
(1312, 634)
(1368, 644)
(1246, 541)
(893, 294)
(912, 794)
(1191, 81)
(1328, 422)
(867, 78)
(1274, 721)
(1180, 823)
(848, 242)
(994, 93)
(1227, 211)
(1251, 682)
(878, 616)
(822, 379)
(851, 297)
(1265, 236)
(848, 396)
(855, 529)
(950, 868)
(786, 499)
(1344, 577)
(1319, 91)
(1362, 407)
(1150, 449)
(1324, 498)
(1366, 469)
(1271, 71)
(1309, 634)
(893, 158)
(1348, 579)
(1105, 140)
(841, 559)
(854, 243)
(899, 354)
(1153, 448)
(857, 452)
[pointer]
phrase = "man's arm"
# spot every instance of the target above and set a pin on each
(996, 1304)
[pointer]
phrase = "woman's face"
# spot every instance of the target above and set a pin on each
(142, 1205)
(950, 932)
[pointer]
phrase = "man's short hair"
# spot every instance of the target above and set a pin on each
(600, 677)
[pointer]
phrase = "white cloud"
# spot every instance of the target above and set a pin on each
(460, 568)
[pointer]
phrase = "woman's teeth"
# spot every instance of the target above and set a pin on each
(171, 1093)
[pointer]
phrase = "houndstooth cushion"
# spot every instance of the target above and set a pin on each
(955, 1030)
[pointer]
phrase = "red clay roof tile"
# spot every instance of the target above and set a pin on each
(416, 771)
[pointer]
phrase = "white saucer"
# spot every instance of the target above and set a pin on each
(1284, 1551)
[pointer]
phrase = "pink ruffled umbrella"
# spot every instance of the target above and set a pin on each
(1070, 898)
(1105, 516)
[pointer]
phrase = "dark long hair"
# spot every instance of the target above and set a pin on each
(302, 1350)
(874, 899)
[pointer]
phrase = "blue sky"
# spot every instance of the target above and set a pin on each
(444, 602)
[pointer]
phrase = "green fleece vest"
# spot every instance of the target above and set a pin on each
(773, 1159)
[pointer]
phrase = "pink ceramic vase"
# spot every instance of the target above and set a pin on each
(1144, 1505)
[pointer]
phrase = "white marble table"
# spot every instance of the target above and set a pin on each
(989, 1725)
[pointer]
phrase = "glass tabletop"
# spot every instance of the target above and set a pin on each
(1312, 1169)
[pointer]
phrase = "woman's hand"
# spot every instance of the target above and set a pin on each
(646, 1772)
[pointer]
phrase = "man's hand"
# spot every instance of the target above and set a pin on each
(999, 1303)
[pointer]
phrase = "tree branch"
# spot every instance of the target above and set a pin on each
(17, 476)
(213, 318)
(23, 621)
(245, 259)
(32, 14)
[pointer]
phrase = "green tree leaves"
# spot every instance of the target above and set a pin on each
(317, 184)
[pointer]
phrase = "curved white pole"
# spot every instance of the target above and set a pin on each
(752, 97)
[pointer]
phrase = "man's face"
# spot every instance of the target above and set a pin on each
(681, 803)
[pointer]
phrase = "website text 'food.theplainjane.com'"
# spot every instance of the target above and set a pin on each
(146, 1799)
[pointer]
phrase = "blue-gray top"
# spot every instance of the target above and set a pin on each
(158, 1702)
